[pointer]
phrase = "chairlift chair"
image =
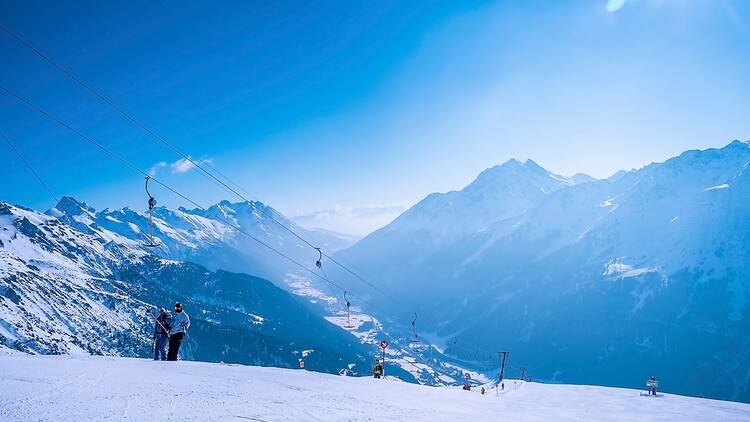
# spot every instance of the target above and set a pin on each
(415, 336)
(151, 205)
(348, 311)
(318, 263)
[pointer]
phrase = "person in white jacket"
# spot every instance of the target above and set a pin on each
(179, 326)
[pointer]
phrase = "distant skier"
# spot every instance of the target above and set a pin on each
(161, 334)
(180, 325)
(377, 369)
(652, 383)
(483, 391)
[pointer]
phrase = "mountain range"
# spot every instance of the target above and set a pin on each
(216, 237)
(583, 280)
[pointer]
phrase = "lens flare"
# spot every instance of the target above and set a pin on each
(615, 5)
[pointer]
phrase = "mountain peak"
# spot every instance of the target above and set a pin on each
(70, 206)
(513, 162)
(514, 171)
(499, 192)
(239, 205)
(244, 207)
(509, 167)
(737, 144)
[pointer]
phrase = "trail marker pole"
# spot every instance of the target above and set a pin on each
(383, 345)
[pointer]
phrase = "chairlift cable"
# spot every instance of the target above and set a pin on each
(168, 187)
(330, 286)
(30, 167)
(176, 150)
(167, 144)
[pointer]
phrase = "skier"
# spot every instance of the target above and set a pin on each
(161, 335)
(652, 384)
(377, 369)
(483, 391)
(180, 325)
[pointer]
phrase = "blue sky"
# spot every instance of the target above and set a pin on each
(351, 108)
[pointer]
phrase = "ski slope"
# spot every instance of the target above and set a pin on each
(79, 388)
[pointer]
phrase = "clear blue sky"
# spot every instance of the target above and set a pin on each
(310, 105)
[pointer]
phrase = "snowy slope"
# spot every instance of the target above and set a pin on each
(65, 389)
(54, 293)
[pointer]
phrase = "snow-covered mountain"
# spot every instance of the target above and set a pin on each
(411, 246)
(497, 193)
(69, 288)
(589, 281)
(213, 237)
(54, 294)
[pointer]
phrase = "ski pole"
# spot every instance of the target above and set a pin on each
(157, 321)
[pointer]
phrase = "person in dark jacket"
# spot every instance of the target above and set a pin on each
(161, 334)
(652, 383)
(179, 326)
(377, 369)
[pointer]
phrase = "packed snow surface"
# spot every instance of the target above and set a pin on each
(78, 388)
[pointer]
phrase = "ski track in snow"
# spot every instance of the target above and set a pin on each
(83, 388)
